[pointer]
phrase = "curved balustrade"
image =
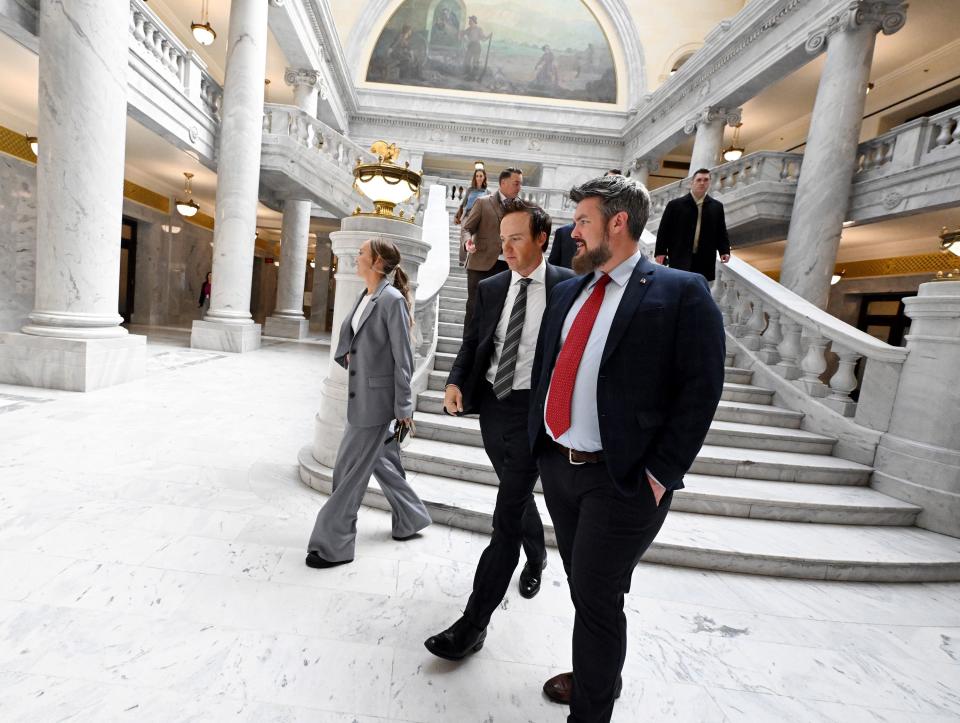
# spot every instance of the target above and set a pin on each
(554, 200)
(763, 166)
(810, 348)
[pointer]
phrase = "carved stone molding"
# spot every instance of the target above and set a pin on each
(730, 117)
(886, 16)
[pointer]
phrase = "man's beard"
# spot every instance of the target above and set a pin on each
(593, 259)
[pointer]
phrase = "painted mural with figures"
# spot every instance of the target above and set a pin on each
(544, 48)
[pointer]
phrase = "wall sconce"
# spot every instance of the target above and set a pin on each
(735, 150)
(34, 145)
(384, 182)
(188, 207)
(313, 264)
(203, 33)
(835, 279)
(276, 263)
(870, 86)
(172, 229)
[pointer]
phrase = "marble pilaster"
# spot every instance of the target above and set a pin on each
(74, 339)
(830, 156)
(228, 325)
(346, 244)
(918, 460)
(709, 126)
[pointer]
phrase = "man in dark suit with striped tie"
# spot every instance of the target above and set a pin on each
(491, 375)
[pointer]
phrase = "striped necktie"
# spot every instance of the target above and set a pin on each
(503, 381)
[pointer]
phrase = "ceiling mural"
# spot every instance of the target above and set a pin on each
(544, 48)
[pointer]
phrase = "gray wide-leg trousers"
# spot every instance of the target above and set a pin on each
(362, 452)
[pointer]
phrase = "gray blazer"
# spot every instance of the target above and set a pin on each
(378, 382)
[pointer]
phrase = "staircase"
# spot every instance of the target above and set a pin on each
(763, 496)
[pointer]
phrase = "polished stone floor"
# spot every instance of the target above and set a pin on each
(151, 569)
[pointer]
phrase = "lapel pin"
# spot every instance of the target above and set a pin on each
(643, 281)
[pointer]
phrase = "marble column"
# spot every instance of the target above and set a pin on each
(642, 168)
(918, 459)
(74, 339)
(830, 156)
(323, 258)
(228, 325)
(346, 244)
(709, 125)
(288, 320)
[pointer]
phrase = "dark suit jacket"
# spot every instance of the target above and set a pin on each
(675, 235)
(660, 377)
(473, 360)
(564, 247)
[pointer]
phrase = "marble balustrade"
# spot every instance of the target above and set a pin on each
(823, 357)
(556, 201)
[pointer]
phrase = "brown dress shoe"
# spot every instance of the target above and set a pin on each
(560, 687)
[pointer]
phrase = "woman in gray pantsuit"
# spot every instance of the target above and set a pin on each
(374, 347)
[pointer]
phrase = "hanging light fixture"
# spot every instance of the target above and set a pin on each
(735, 150)
(950, 241)
(835, 279)
(384, 182)
(478, 166)
(188, 207)
(34, 145)
(203, 33)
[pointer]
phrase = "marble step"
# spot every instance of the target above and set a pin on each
(731, 391)
(448, 329)
(466, 431)
(452, 303)
(448, 345)
(470, 463)
(456, 282)
(453, 316)
(453, 294)
(808, 550)
(431, 402)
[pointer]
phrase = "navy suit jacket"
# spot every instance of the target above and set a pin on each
(660, 378)
(473, 360)
(564, 247)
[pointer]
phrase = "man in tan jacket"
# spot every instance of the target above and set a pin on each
(483, 223)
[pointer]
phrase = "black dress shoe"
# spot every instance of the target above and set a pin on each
(458, 641)
(560, 687)
(530, 578)
(314, 560)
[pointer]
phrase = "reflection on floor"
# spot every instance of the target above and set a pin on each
(151, 569)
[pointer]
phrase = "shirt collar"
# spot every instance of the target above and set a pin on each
(537, 276)
(622, 273)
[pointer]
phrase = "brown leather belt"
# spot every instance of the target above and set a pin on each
(575, 456)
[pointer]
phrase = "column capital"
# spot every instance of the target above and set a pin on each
(648, 163)
(306, 77)
(886, 16)
(729, 116)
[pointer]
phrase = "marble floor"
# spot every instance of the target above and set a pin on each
(151, 569)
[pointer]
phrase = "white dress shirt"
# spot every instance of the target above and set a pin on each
(536, 305)
(358, 314)
(584, 432)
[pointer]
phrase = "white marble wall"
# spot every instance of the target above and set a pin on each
(18, 239)
(170, 268)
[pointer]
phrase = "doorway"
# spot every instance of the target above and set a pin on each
(882, 317)
(128, 268)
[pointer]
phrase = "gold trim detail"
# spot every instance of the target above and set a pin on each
(145, 197)
(895, 266)
(201, 219)
(15, 144)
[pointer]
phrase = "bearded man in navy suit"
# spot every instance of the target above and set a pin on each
(627, 375)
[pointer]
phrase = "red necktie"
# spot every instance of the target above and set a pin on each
(565, 370)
